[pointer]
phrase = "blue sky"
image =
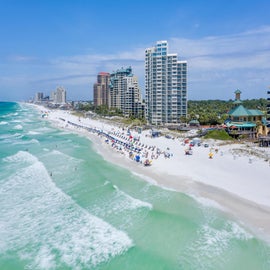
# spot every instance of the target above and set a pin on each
(45, 44)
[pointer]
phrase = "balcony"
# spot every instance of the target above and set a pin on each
(249, 133)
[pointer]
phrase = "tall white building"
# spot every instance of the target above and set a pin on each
(165, 86)
(59, 96)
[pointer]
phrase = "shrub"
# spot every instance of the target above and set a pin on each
(218, 135)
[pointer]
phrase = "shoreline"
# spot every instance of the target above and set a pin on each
(252, 214)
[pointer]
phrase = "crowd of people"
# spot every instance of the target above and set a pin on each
(125, 143)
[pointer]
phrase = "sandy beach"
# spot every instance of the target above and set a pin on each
(236, 180)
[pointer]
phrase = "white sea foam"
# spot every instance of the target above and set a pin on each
(215, 241)
(44, 129)
(125, 201)
(106, 183)
(238, 231)
(18, 127)
(21, 157)
(206, 202)
(25, 120)
(33, 133)
(3, 123)
(11, 136)
(168, 188)
(26, 142)
(212, 245)
(34, 141)
(16, 121)
(65, 156)
(66, 132)
(147, 178)
(47, 228)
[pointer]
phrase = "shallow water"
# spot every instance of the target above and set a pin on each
(63, 207)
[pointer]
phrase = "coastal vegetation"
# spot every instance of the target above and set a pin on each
(134, 121)
(101, 110)
(213, 112)
(207, 112)
(218, 135)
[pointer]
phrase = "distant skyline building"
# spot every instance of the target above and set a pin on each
(38, 97)
(165, 86)
(59, 95)
(102, 89)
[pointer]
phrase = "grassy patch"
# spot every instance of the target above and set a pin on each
(218, 135)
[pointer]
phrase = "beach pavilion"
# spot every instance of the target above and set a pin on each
(245, 122)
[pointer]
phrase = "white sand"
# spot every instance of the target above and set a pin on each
(235, 180)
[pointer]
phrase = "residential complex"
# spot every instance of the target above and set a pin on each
(102, 89)
(57, 99)
(133, 105)
(119, 90)
(59, 95)
(165, 86)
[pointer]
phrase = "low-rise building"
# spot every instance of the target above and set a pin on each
(245, 122)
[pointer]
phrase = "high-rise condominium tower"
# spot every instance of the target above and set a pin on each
(125, 92)
(102, 89)
(119, 90)
(133, 102)
(165, 86)
(59, 96)
(117, 87)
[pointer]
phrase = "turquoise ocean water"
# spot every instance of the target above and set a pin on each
(63, 207)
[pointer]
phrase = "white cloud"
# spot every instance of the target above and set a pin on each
(220, 64)
(247, 49)
(217, 65)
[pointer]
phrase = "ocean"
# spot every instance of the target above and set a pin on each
(62, 206)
